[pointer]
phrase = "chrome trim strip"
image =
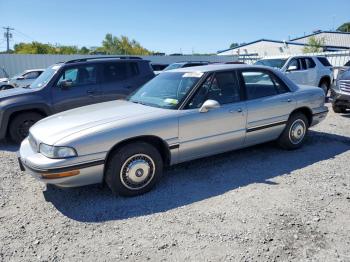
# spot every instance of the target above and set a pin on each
(256, 128)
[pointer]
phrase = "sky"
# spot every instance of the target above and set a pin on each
(199, 26)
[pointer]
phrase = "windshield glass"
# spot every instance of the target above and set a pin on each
(173, 66)
(277, 63)
(45, 77)
(167, 90)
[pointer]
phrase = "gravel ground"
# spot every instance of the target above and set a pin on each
(260, 203)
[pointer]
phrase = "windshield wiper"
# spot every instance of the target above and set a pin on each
(137, 102)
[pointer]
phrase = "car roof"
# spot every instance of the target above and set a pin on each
(31, 70)
(215, 67)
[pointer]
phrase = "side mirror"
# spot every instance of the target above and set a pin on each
(20, 78)
(65, 84)
(208, 105)
(292, 68)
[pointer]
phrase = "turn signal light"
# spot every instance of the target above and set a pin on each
(61, 175)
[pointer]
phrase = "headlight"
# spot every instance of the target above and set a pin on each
(56, 151)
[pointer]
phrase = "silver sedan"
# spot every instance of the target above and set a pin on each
(178, 116)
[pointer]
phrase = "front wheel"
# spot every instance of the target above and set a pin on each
(338, 109)
(295, 132)
(134, 169)
(20, 124)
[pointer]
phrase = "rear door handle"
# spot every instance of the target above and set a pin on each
(287, 100)
(237, 110)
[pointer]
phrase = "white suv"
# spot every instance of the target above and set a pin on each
(304, 70)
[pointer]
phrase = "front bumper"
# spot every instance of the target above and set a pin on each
(61, 172)
(340, 98)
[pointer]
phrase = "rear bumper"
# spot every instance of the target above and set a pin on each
(63, 175)
(339, 98)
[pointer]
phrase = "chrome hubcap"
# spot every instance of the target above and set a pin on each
(137, 171)
(297, 131)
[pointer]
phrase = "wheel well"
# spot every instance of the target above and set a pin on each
(157, 142)
(306, 111)
(326, 79)
(14, 114)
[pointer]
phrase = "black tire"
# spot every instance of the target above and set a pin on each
(146, 161)
(324, 85)
(20, 124)
(6, 87)
(338, 109)
(295, 132)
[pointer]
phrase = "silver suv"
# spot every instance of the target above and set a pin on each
(304, 70)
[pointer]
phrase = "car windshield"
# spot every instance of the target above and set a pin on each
(277, 63)
(173, 66)
(167, 90)
(45, 77)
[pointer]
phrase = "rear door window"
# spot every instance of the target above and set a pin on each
(113, 72)
(310, 63)
(260, 84)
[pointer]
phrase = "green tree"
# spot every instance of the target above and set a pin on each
(84, 50)
(122, 46)
(314, 45)
(234, 44)
(344, 27)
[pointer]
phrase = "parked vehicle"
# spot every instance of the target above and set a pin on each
(158, 67)
(68, 85)
(23, 79)
(185, 64)
(340, 93)
(178, 116)
(304, 70)
(344, 68)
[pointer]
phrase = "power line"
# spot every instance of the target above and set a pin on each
(8, 35)
(25, 35)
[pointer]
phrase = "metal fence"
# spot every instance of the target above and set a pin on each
(15, 63)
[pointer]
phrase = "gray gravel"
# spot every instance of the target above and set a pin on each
(260, 203)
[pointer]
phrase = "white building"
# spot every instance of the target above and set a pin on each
(331, 38)
(334, 41)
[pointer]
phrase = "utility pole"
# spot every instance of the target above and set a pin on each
(8, 35)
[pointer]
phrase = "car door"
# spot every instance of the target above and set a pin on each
(218, 130)
(269, 104)
(312, 77)
(84, 88)
(295, 72)
(117, 80)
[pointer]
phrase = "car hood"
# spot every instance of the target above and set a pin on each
(15, 91)
(56, 127)
(4, 79)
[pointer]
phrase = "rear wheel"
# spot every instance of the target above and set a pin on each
(20, 124)
(295, 132)
(324, 85)
(338, 109)
(134, 169)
